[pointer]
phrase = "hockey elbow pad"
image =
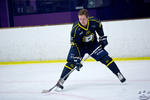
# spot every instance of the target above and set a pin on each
(103, 41)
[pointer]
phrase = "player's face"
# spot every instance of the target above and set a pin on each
(83, 20)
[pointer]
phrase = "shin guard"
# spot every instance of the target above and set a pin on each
(67, 68)
(108, 61)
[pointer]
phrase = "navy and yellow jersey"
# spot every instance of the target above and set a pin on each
(82, 37)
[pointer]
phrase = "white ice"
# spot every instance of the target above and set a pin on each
(93, 82)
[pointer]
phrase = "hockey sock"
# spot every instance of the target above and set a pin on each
(64, 72)
(108, 61)
(113, 67)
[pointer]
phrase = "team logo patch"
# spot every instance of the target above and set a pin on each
(88, 38)
(88, 32)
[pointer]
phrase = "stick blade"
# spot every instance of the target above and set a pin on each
(45, 91)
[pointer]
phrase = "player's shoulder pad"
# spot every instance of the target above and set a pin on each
(75, 25)
(94, 19)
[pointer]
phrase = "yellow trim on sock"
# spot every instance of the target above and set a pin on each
(68, 67)
(109, 63)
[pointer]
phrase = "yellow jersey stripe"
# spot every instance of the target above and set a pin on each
(78, 50)
(74, 26)
(75, 31)
(91, 17)
(75, 43)
(93, 20)
(100, 24)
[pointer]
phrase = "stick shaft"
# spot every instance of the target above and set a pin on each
(91, 53)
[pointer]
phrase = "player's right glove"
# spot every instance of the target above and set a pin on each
(77, 63)
(103, 41)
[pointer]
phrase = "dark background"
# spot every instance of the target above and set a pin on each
(46, 12)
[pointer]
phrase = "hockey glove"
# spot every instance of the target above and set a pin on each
(77, 63)
(103, 41)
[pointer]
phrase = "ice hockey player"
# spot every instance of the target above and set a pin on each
(84, 40)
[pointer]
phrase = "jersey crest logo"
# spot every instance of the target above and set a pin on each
(88, 32)
(88, 38)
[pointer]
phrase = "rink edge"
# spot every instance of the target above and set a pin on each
(63, 61)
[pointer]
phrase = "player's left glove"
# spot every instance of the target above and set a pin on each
(77, 63)
(103, 41)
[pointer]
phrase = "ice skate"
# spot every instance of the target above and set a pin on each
(121, 77)
(59, 86)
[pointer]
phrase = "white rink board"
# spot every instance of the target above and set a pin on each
(126, 39)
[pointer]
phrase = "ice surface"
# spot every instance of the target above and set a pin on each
(93, 82)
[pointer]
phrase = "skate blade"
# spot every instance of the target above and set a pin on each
(124, 83)
(58, 89)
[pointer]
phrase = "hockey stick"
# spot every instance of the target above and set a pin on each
(46, 91)
(91, 54)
